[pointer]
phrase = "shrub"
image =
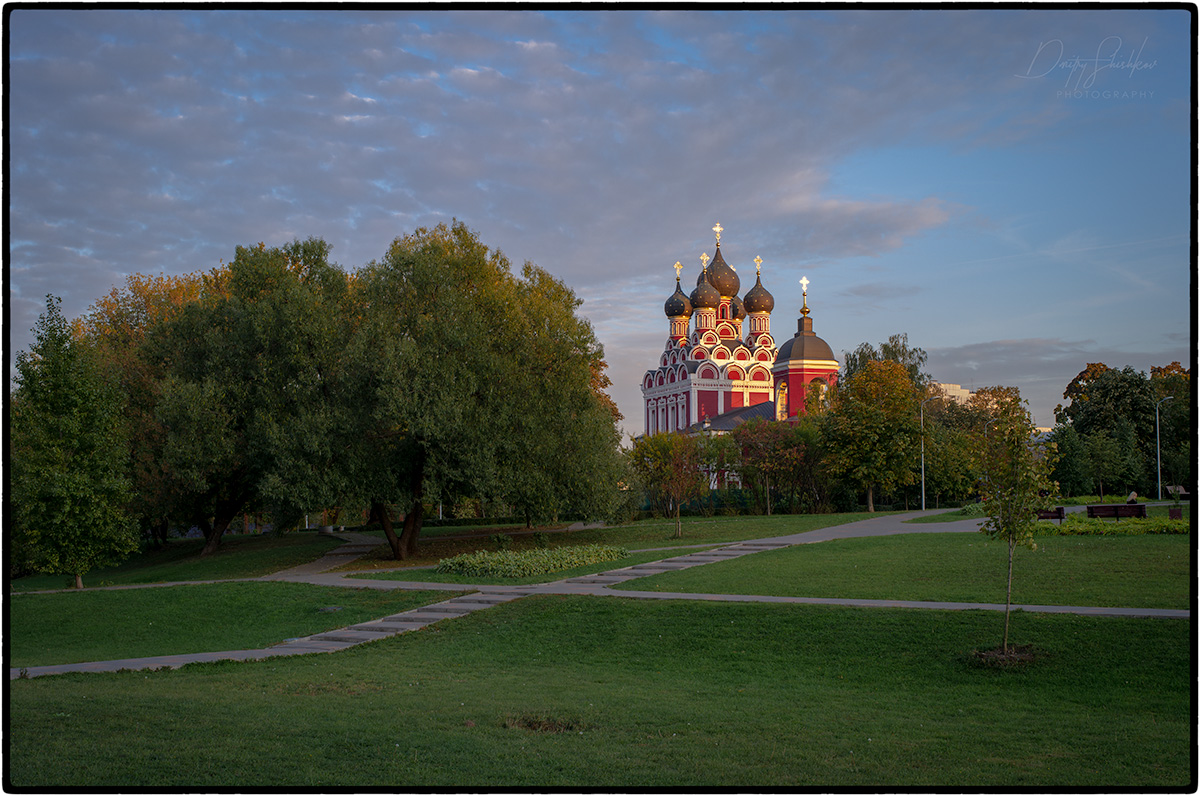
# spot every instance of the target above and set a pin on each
(1079, 525)
(502, 541)
(972, 510)
(507, 564)
(541, 539)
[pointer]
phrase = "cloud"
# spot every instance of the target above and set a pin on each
(600, 145)
(1041, 367)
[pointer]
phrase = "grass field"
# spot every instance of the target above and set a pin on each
(101, 625)
(1133, 571)
(577, 692)
(249, 556)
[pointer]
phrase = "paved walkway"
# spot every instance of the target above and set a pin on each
(599, 584)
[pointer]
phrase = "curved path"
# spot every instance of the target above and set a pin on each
(485, 596)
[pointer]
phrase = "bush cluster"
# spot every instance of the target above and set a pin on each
(1079, 525)
(973, 510)
(508, 564)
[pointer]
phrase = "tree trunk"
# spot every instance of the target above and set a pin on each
(380, 511)
(678, 524)
(212, 538)
(78, 580)
(768, 476)
(412, 528)
(870, 498)
(1012, 543)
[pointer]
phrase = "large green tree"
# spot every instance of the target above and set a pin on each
(473, 382)
(68, 457)
(243, 398)
(117, 326)
(895, 349)
(872, 431)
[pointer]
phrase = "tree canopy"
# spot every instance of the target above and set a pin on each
(68, 463)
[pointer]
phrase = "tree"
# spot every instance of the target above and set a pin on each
(1175, 422)
(244, 396)
(896, 349)
(1016, 481)
(68, 459)
(872, 431)
(470, 381)
(116, 326)
(1101, 401)
(1072, 471)
(669, 466)
(1104, 459)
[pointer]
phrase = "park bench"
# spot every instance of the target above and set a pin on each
(1117, 510)
(1179, 492)
(1057, 513)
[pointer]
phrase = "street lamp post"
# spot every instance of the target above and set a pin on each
(927, 400)
(1157, 446)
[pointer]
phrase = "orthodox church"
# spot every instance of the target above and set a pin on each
(727, 369)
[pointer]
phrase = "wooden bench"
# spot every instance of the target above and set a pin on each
(1179, 492)
(1057, 513)
(1117, 511)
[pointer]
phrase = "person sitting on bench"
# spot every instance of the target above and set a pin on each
(1132, 498)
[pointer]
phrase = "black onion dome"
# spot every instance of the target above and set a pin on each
(723, 278)
(705, 296)
(737, 310)
(758, 299)
(804, 346)
(677, 305)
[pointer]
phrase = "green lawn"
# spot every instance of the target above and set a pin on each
(1159, 510)
(99, 625)
(1133, 571)
(649, 694)
(249, 556)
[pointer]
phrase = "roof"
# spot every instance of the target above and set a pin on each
(804, 346)
(735, 417)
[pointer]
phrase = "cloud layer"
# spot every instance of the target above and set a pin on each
(601, 145)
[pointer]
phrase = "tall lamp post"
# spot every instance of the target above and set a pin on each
(927, 400)
(1157, 446)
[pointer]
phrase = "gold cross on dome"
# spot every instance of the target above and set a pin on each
(718, 229)
(758, 265)
(704, 259)
(678, 268)
(804, 283)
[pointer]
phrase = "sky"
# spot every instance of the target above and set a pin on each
(1011, 188)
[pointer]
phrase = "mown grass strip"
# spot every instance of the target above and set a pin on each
(666, 694)
(179, 560)
(1132, 571)
(100, 625)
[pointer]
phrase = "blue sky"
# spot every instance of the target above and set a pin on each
(1011, 188)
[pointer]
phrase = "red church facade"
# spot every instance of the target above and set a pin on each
(727, 360)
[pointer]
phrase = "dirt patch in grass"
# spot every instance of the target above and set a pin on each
(537, 723)
(1015, 656)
